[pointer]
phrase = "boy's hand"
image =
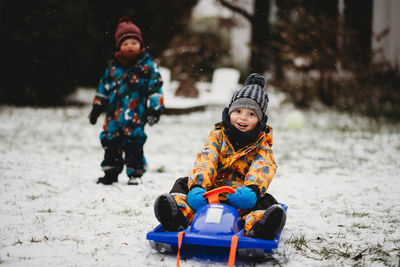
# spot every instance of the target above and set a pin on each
(95, 113)
(195, 198)
(151, 120)
(153, 117)
(244, 198)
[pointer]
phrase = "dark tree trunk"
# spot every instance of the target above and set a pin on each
(259, 59)
(260, 32)
(358, 18)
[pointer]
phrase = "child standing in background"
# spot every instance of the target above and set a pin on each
(238, 154)
(130, 94)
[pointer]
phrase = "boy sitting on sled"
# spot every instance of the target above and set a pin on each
(237, 154)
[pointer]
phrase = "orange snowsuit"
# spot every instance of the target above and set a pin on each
(218, 164)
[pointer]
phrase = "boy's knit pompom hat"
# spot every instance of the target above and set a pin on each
(126, 29)
(251, 96)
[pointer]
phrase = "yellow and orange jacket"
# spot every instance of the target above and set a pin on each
(218, 164)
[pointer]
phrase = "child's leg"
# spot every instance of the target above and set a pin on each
(172, 210)
(179, 192)
(134, 157)
(266, 219)
(257, 212)
(112, 163)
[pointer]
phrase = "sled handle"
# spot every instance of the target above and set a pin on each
(212, 195)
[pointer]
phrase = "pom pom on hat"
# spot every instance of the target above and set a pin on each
(126, 29)
(255, 78)
(251, 96)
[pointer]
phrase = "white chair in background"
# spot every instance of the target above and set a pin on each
(224, 82)
(177, 104)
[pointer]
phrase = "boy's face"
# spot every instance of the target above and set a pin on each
(130, 45)
(244, 119)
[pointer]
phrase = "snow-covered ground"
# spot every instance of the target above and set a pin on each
(339, 175)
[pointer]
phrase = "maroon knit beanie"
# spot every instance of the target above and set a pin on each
(126, 29)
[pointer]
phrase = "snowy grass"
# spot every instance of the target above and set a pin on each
(339, 175)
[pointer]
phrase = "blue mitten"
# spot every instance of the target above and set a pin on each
(244, 198)
(195, 198)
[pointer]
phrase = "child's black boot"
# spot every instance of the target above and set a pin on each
(111, 176)
(270, 224)
(168, 214)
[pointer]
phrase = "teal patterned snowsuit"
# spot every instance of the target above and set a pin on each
(128, 94)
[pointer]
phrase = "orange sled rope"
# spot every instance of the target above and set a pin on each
(180, 237)
(232, 253)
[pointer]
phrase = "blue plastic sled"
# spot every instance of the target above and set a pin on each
(211, 232)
